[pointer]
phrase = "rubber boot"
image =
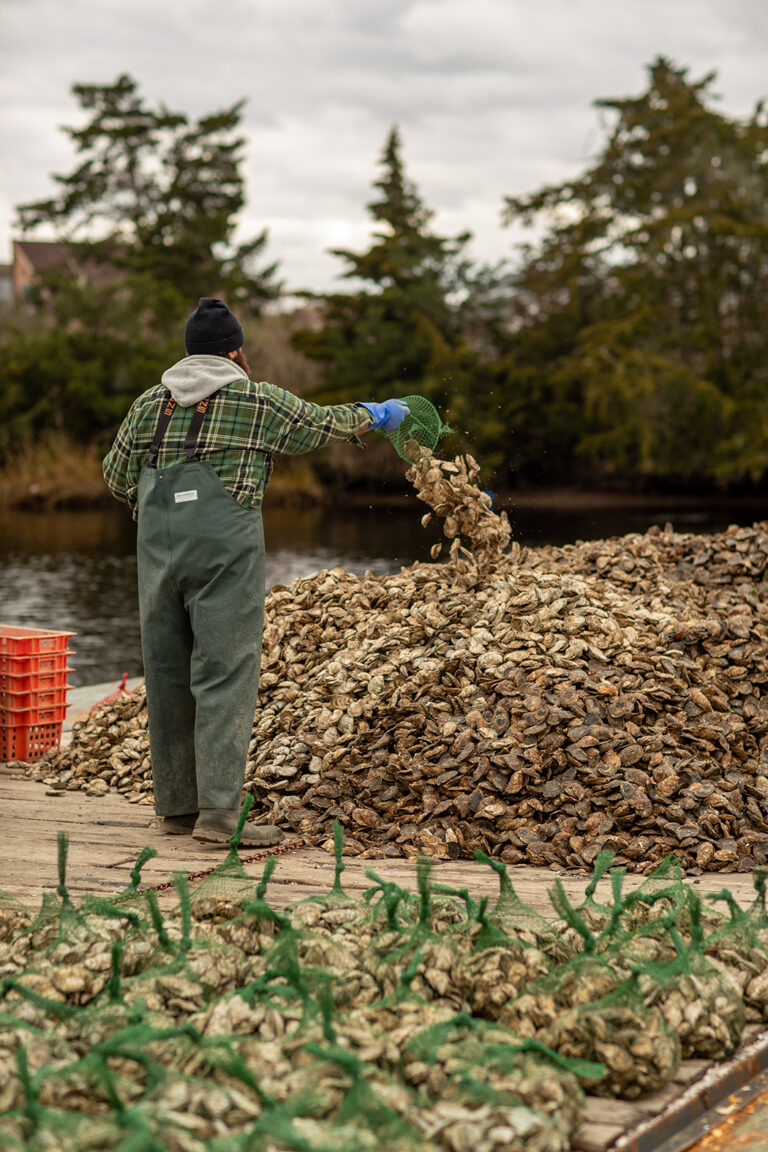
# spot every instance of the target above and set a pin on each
(218, 825)
(174, 825)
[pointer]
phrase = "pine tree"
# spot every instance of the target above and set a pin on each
(400, 331)
(642, 340)
(156, 196)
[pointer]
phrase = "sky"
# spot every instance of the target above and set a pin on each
(492, 97)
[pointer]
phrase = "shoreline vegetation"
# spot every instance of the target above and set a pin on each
(57, 474)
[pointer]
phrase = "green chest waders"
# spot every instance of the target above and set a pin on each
(201, 608)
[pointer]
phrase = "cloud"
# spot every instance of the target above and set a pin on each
(493, 98)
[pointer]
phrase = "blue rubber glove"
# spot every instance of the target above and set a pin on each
(388, 415)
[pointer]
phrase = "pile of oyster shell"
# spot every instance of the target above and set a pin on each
(540, 705)
(389, 1022)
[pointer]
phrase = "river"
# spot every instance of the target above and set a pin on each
(76, 571)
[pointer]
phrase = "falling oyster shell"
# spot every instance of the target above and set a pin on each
(413, 450)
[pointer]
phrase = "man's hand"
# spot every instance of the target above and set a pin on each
(388, 415)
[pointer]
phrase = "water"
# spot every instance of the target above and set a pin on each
(77, 571)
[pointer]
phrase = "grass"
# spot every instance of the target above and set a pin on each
(55, 472)
(58, 473)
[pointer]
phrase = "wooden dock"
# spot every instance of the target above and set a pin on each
(107, 833)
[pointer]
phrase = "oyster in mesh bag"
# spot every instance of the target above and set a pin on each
(703, 1007)
(431, 967)
(250, 931)
(395, 1020)
(334, 909)
(221, 899)
(522, 922)
(59, 1130)
(218, 967)
(430, 964)
(103, 1018)
(357, 1032)
(499, 964)
(583, 980)
(14, 955)
(224, 892)
(59, 922)
(315, 963)
(74, 984)
(170, 990)
(475, 1055)
(288, 1134)
(641, 915)
(348, 1089)
(639, 1050)
(664, 896)
(15, 917)
(326, 959)
(253, 926)
(40, 1051)
(437, 909)
(276, 1010)
(484, 1120)
(737, 951)
(499, 973)
(699, 1003)
(203, 1107)
(598, 917)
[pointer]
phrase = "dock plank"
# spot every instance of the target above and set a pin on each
(597, 1136)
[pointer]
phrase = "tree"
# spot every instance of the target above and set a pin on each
(157, 195)
(148, 215)
(400, 332)
(642, 306)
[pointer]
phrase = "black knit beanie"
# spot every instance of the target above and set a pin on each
(212, 329)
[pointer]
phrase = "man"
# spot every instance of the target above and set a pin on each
(192, 459)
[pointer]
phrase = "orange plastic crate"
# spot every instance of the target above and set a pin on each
(34, 681)
(27, 741)
(24, 717)
(16, 641)
(32, 651)
(35, 698)
(34, 665)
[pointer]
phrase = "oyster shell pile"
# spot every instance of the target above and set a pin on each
(539, 705)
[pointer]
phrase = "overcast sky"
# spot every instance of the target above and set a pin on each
(492, 97)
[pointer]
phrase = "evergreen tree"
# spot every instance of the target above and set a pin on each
(148, 216)
(156, 195)
(400, 332)
(642, 350)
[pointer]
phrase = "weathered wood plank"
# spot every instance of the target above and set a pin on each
(603, 1111)
(596, 1137)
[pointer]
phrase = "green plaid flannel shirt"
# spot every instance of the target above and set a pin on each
(244, 424)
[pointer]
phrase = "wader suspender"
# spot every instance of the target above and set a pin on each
(190, 440)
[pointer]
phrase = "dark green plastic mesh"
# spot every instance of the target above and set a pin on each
(422, 428)
(389, 1021)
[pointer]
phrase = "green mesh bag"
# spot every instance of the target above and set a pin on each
(422, 428)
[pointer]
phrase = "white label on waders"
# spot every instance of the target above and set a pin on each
(183, 497)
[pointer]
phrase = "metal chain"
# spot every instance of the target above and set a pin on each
(291, 846)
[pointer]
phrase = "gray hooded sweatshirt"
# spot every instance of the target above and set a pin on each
(195, 377)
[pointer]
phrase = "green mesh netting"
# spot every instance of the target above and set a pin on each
(389, 1020)
(421, 428)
